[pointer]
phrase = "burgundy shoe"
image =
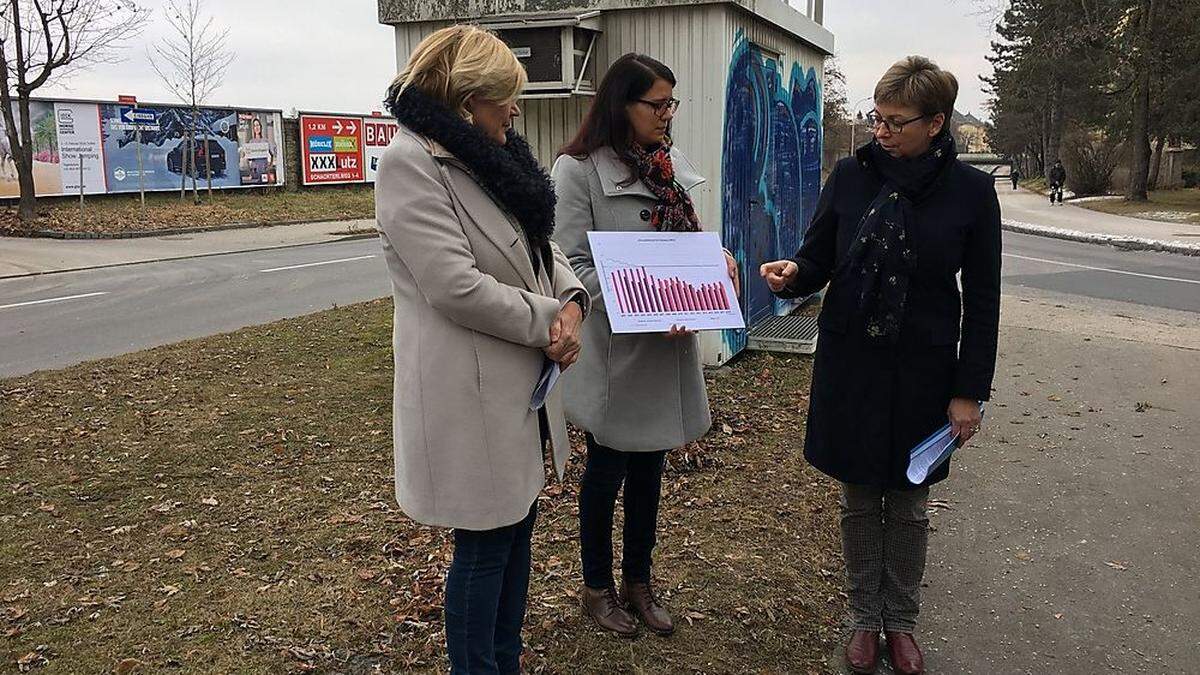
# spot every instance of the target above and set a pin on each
(862, 652)
(906, 655)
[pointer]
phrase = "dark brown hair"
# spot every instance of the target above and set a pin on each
(607, 121)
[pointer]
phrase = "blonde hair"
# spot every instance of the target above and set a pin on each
(918, 82)
(458, 62)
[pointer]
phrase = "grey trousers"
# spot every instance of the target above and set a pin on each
(885, 534)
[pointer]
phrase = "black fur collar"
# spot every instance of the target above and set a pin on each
(509, 172)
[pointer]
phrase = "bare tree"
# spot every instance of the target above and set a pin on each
(45, 41)
(192, 62)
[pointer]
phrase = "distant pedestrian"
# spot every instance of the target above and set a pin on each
(482, 299)
(1058, 179)
(1015, 175)
(902, 350)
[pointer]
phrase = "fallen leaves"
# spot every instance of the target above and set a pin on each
(1120, 567)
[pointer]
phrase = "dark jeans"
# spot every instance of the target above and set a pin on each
(606, 469)
(486, 589)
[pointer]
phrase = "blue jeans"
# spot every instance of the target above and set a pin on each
(486, 588)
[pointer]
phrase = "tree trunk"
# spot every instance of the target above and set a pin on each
(208, 162)
(23, 158)
(1057, 121)
(1156, 163)
(192, 163)
(1139, 137)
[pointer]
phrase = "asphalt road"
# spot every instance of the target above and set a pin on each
(58, 320)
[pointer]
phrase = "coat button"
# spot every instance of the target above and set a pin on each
(646, 215)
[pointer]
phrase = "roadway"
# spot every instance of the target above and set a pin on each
(57, 320)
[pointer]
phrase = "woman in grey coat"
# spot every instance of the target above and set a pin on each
(635, 395)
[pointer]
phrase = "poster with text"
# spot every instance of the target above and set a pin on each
(79, 148)
(47, 177)
(260, 138)
(652, 281)
(163, 148)
(377, 134)
(331, 149)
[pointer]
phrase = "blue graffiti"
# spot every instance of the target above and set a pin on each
(770, 170)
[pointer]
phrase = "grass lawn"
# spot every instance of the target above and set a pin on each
(1172, 206)
(225, 505)
(165, 211)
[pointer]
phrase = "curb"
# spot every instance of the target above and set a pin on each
(1119, 241)
(138, 234)
(352, 237)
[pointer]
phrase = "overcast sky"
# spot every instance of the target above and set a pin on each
(336, 57)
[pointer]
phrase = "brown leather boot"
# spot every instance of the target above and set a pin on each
(906, 655)
(862, 652)
(640, 598)
(606, 610)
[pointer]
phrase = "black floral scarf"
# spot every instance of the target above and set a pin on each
(509, 173)
(674, 211)
(881, 259)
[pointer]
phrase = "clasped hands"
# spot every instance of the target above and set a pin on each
(565, 340)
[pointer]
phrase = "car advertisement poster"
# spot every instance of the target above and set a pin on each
(377, 134)
(260, 137)
(78, 126)
(331, 149)
(163, 147)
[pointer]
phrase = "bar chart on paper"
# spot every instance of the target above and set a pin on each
(654, 280)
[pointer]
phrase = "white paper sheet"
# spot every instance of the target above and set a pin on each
(653, 280)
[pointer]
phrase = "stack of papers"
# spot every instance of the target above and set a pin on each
(932, 453)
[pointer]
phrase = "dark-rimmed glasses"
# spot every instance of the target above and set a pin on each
(875, 120)
(661, 108)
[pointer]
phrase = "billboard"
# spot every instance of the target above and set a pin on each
(377, 134)
(342, 148)
(47, 172)
(96, 146)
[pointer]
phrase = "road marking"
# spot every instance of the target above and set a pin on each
(316, 264)
(49, 300)
(1103, 269)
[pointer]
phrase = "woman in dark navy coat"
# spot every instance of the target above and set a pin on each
(902, 352)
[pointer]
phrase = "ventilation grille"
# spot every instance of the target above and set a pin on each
(792, 334)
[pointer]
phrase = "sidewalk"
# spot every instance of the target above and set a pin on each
(1032, 213)
(24, 257)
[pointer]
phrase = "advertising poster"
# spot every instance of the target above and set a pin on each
(260, 138)
(78, 126)
(164, 147)
(331, 149)
(47, 177)
(377, 134)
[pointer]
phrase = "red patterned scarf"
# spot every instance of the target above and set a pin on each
(674, 211)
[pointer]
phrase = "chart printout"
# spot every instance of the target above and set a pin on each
(653, 280)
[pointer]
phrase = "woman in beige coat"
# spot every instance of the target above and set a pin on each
(483, 301)
(635, 395)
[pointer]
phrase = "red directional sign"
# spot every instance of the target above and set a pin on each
(331, 149)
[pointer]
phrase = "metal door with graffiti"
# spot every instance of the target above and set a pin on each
(770, 170)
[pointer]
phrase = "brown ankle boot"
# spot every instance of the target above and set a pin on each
(606, 610)
(862, 652)
(640, 598)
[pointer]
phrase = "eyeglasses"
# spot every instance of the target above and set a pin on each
(661, 108)
(875, 120)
